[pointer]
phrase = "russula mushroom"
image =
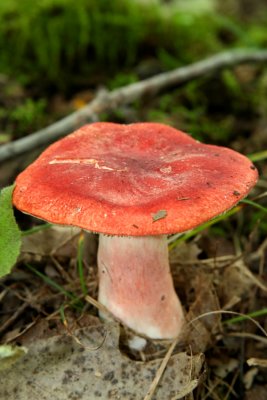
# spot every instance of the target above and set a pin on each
(134, 184)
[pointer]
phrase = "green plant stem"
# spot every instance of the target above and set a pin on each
(77, 303)
(260, 156)
(36, 229)
(254, 314)
(80, 265)
(62, 313)
(254, 204)
(200, 228)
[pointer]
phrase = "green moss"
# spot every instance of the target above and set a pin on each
(67, 45)
(25, 117)
(56, 40)
(60, 37)
(29, 116)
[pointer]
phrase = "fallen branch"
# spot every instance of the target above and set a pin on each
(108, 101)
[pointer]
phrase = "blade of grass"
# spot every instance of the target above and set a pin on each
(77, 303)
(254, 204)
(62, 314)
(245, 316)
(80, 264)
(254, 314)
(206, 225)
(260, 156)
(36, 229)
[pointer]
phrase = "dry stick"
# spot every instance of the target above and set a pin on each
(160, 371)
(248, 336)
(107, 101)
(11, 338)
(99, 306)
(13, 317)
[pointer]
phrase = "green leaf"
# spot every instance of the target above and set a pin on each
(9, 355)
(10, 236)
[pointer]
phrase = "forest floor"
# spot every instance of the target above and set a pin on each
(64, 350)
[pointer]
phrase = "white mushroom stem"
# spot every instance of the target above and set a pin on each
(136, 286)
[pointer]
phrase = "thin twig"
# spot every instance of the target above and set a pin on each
(11, 338)
(247, 335)
(160, 371)
(191, 383)
(78, 341)
(99, 306)
(107, 101)
(13, 317)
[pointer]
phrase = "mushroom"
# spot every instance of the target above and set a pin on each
(134, 185)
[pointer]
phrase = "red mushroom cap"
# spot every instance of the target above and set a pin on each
(138, 179)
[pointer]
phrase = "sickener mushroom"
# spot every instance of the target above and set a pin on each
(134, 185)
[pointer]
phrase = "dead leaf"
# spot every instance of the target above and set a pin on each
(203, 311)
(185, 253)
(257, 392)
(188, 388)
(260, 362)
(159, 215)
(59, 240)
(226, 367)
(58, 368)
(234, 283)
(249, 377)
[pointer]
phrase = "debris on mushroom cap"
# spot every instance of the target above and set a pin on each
(137, 179)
